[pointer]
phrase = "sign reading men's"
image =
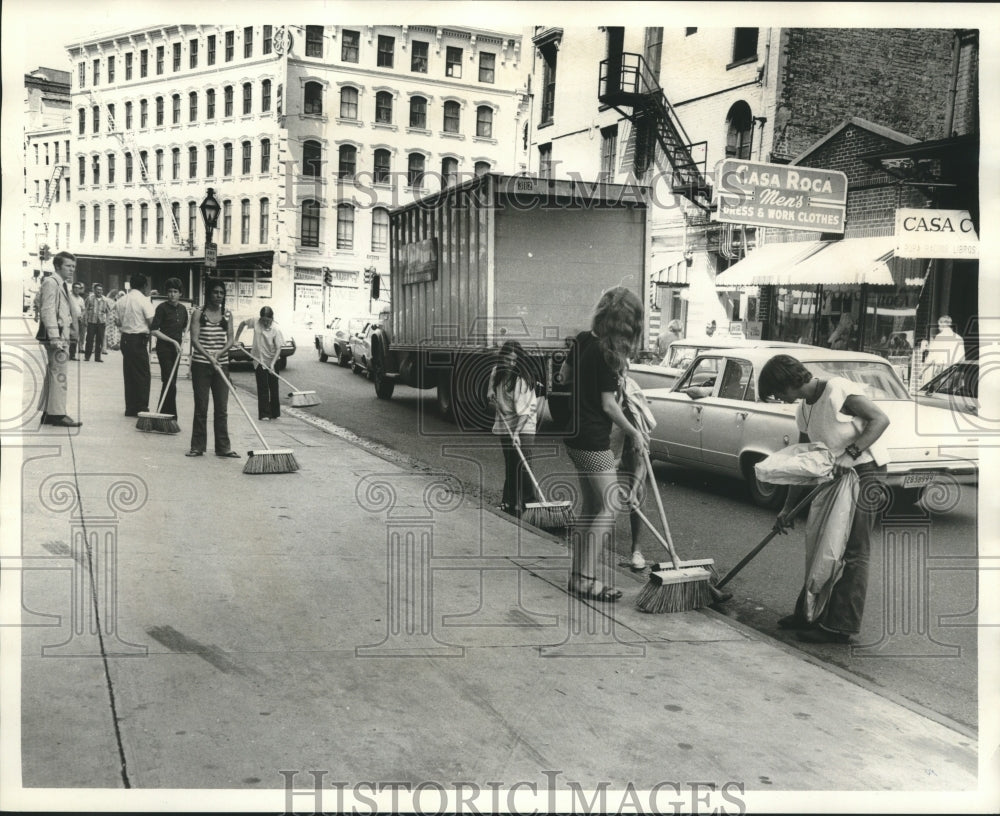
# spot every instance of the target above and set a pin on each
(781, 195)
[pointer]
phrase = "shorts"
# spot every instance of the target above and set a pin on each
(587, 461)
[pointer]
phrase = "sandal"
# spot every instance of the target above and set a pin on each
(605, 594)
(229, 455)
(193, 452)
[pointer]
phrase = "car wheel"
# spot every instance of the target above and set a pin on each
(355, 368)
(323, 356)
(383, 385)
(763, 494)
(344, 359)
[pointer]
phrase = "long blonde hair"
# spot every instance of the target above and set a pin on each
(618, 325)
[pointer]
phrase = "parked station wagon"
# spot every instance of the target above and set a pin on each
(731, 429)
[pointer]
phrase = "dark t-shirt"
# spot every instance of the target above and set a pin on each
(592, 377)
(171, 319)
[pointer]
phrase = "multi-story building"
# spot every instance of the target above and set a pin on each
(47, 190)
(307, 135)
(666, 106)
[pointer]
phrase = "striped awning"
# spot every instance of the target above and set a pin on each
(851, 261)
(672, 270)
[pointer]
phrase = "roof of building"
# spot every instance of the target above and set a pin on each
(857, 121)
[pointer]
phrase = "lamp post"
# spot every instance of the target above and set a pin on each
(210, 215)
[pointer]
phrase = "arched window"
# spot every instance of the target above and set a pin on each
(210, 103)
(265, 96)
(312, 100)
(418, 112)
(245, 221)
(97, 222)
(227, 100)
(309, 233)
(345, 226)
(348, 103)
(193, 106)
(449, 171)
(143, 223)
(380, 229)
(383, 108)
(265, 155)
(246, 160)
(159, 223)
(452, 116)
(739, 131)
(175, 102)
(347, 164)
(484, 122)
(192, 162)
(415, 170)
(312, 158)
(247, 98)
(83, 221)
(265, 206)
(192, 220)
(383, 166)
(482, 168)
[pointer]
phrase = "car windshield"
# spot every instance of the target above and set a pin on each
(680, 356)
(881, 380)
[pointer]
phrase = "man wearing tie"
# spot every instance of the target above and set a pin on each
(56, 315)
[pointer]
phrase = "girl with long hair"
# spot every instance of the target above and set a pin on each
(513, 390)
(598, 362)
(211, 338)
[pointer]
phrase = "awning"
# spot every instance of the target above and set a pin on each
(673, 269)
(850, 261)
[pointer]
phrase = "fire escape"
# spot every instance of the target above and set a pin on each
(627, 85)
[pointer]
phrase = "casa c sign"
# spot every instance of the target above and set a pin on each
(935, 234)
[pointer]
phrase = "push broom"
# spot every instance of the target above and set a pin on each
(679, 588)
(543, 514)
(269, 460)
(299, 399)
(154, 421)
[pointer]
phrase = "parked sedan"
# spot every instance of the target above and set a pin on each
(335, 340)
(238, 356)
(730, 430)
(957, 388)
(682, 352)
(361, 350)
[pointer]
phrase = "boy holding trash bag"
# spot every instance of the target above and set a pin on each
(837, 413)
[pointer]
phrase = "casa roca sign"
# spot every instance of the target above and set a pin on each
(780, 195)
(935, 234)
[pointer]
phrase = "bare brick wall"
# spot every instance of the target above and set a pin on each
(895, 77)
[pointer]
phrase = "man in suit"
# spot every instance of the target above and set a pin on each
(56, 316)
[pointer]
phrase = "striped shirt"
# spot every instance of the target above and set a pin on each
(212, 338)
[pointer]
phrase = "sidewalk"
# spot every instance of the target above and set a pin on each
(364, 620)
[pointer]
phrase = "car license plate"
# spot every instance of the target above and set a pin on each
(917, 479)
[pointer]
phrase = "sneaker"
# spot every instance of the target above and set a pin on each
(638, 562)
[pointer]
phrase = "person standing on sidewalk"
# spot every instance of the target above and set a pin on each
(97, 312)
(211, 339)
(598, 363)
(837, 413)
(134, 313)
(266, 350)
(513, 391)
(79, 329)
(169, 322)
(55, 314)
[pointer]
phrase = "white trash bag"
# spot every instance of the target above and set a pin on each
(831, 515)
(807, 463)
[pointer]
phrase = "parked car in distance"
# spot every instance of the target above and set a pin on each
(361, 349)
(680, 354)
(335, 340)
(239, 357)
(730, 430)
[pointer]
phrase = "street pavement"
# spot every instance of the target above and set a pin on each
(187, 626)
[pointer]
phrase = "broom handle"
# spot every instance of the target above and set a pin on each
(659, 506)
(266, 366)
(767, 539)
(652, 529)
(173, 371)
(246, 413)
(527, 468)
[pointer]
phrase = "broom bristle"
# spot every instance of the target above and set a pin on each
(677, 590)
(270, 461)
(150, 422)
(303, 399)
(548, 515)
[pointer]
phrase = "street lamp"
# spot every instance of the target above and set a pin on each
(210, 214)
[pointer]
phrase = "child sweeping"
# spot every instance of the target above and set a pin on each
(266, 351)
(514, 393)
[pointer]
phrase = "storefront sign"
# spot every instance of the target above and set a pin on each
(418, 261)
(935, 234)
(781, 195)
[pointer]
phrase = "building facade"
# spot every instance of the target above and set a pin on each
(45, 220)
(307, 136)
(666, 106)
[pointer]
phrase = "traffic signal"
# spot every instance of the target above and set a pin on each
(368, 275)
(43, 252)
(327, 276)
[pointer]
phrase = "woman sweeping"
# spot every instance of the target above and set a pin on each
(513, 391)
(597, 364)
(266, 351)
(837, 413)
(211, 338)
